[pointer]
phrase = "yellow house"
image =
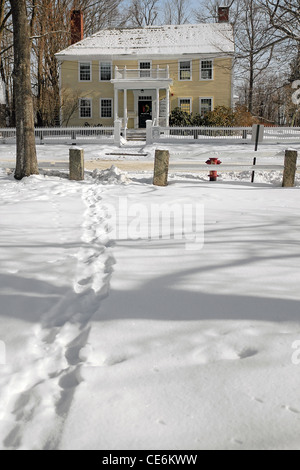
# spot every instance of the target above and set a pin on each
(140, 74)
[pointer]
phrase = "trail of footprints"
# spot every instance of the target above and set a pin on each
(63, 335)
(95, 265)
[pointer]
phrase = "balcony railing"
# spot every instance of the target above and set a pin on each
(142, 74)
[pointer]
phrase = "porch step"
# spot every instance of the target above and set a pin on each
(135, 135)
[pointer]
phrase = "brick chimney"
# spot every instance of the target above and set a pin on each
(76, 26)
(223, 14)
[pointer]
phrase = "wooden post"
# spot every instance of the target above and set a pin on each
(161, 167)
(76, 163)
(290, 167)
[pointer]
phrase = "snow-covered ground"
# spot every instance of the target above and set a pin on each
(115, 341)
(56, 156)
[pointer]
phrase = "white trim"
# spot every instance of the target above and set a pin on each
(206, 98)
(111, 70)
(116, 104)
(112, 108)
(191, 69)
(60, 93)
(232, 84)
(124, 58)
(91, 71)
(213, 70)
(186, 98)
(91, 102)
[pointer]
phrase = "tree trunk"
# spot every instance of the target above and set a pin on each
(26, 164)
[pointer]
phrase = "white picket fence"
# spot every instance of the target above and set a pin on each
(156, 134)
(64, 135)
(175, 134)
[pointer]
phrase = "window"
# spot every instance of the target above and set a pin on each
(106, 108)
(185, 70)
(85, 108)
(105, 71)
(85, 72)
(206, 70)
(185, 104)
(145, 69)
(205, 105)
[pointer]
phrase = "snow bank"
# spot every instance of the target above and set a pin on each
(111, 176)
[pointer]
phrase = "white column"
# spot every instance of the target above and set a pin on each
(157, 106)
(167, 106)
(116, 104)
(125, 108)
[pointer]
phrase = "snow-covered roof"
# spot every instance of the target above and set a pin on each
(211, 38)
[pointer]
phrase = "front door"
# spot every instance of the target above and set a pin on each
(145, 113)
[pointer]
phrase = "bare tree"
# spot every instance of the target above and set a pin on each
(284, 17)
(26, 164)
(254, 42)
(6, 42)
(102, 14)
(143, 12)
(177, 12)
(208, 13)
(50, 34)
(252, 33)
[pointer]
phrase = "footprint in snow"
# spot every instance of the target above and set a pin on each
(291, 409)
(258, 400)
(248, 352)
(237, 442)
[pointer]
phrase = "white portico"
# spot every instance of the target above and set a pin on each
(151, 94)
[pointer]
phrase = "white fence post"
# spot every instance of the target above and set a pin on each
(117, 136)
(260, 134)
(155, 134)
(149, 139)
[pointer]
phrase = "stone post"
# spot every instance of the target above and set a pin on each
(161, 167)
(76, 164)
(290, 167)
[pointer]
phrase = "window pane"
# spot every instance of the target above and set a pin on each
(105, 71)
(85, 108)
(106, 108)
(206, 70)
(205, 106)
(185, 105)
(85, 72)
(185, 70)
(145, 69)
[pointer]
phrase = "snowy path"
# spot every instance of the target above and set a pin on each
(54, 272)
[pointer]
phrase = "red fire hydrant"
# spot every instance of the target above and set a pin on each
(213, 161)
